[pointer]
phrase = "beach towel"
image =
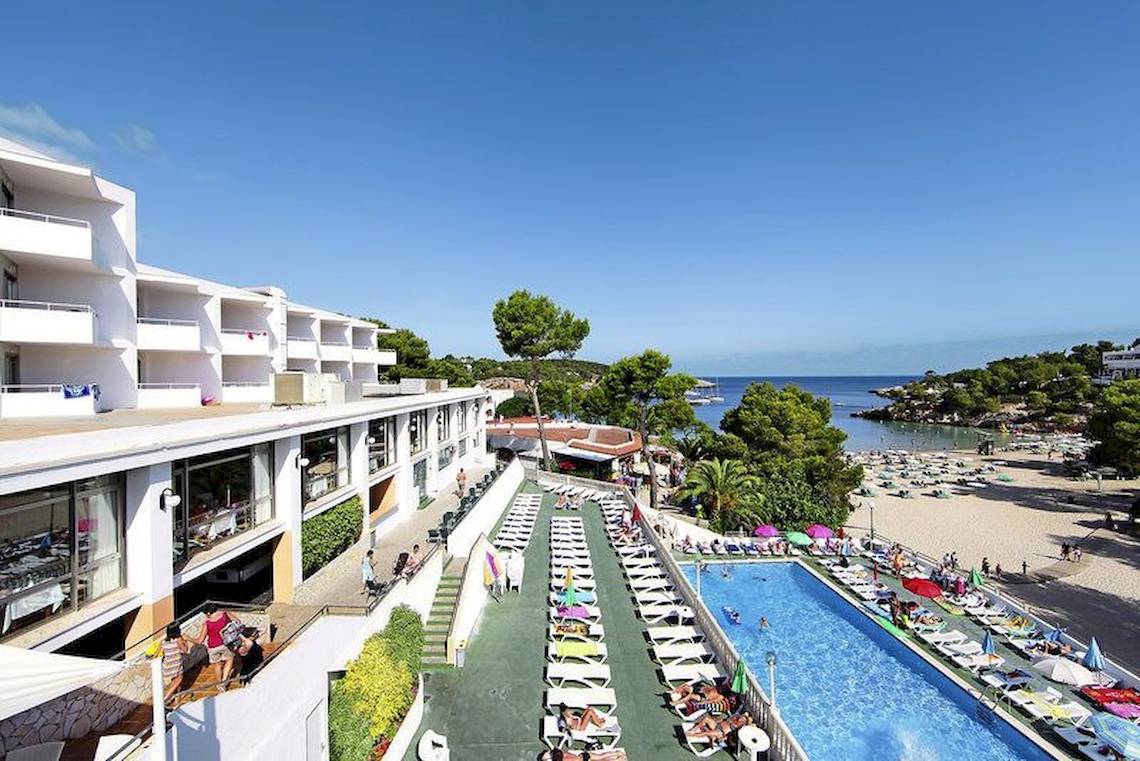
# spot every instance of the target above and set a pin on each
(573, 611)
(575, 649)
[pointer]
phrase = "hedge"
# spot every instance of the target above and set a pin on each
(327, 535)
(405, 635)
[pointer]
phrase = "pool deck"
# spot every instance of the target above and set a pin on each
(1013, 659)
(493, 707)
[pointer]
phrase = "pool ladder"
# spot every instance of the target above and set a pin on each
(986, 711)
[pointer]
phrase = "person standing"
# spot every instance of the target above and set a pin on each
(368, 573)
(461, 482)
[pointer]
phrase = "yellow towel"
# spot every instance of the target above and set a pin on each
(575, 649)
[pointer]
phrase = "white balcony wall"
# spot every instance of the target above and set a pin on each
(385, 357)
(48, 400)
(160, 334)
(112, 221)
(245, 342)
(47, 323)
(340, 353)
(302, 348)
(365, 355)
(54, 240)
(169, 395)
(160, 367)
(246, 393)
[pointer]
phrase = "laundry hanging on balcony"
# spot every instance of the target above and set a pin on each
(76, 390)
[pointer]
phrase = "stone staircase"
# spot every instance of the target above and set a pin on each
(439, 619)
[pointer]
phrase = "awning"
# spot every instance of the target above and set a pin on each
(32, 678)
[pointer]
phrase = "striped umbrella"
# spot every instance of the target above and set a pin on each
(1119, 734)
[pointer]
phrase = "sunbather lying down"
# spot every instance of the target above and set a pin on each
(576, 722)
(586, 755)
(687, 695)
(716, 730)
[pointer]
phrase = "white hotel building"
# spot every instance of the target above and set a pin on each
(140, 447)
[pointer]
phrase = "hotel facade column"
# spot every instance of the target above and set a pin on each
(358, 467)
(289, 509)
(150, 553)
(409, 499)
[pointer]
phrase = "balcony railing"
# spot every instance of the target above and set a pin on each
(44, 235)
(245, 341)
(336, 350)
(23, 321)
(164, 321)
(301, 347)
(163, 334)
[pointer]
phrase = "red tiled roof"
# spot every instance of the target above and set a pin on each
(611, 440)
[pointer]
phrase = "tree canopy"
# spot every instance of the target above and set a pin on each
(1115, 423)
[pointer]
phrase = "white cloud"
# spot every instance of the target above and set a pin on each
(40, 131)
(136, 139)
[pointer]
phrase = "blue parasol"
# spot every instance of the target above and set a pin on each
(1093, 660)
(988, 646)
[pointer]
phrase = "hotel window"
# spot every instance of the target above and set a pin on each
(223, 494)
(328, 468)
(417, 430)
(463, 417)
(60, 548)
(381, 443)
(419, 479)
(462, 448)
(446, 456)
(443, 422)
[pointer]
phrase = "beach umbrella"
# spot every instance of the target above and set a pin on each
(569, 581)
(988, 646)
(766, 529)
(922, 587)
(569, 597)
(798, 538)
(739, 679)
(1065, 671)
(490, 570)
(636, 513)
(819, 531)
(1119, 734)
(975, 578)
(1093, 660)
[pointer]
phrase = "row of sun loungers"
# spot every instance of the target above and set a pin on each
(576, 672)
(578, 492)
(517, 527)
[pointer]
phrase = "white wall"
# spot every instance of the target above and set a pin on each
(487, 512)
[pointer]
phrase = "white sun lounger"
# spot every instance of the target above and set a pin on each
(657, 584)
(580, 582)
(569, 560)
(593, 632)
(657, 613)
(600, 654)
(593, 614)
(702, 747)
(977, 662)
(647, 572)
(943, 637)
(656, 597)
(581, 570)
(692, 672)
(634, 551)
(669, 635)
(676, 654)
(651, 562)
(601, 698)
(608, 735)
(585, 674)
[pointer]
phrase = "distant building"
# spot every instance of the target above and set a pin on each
(1120, 365)
(595, 450)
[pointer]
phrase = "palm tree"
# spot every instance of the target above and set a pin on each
(721, 486)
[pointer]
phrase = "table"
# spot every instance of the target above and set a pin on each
(754, 740)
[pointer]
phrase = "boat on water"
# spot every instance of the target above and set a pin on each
(706, 392)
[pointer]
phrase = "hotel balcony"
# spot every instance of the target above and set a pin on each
(369, 356)
(45, 237)
(332, 351)
(247, 392)
(27, 400)
(300, 347)
(43, 322)
(245, 343)
(169, 395)
(156, 334)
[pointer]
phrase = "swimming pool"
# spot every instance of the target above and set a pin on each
(848, 689)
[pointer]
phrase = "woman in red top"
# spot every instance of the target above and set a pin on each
(211, 637)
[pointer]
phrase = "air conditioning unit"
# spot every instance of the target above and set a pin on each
(296, 387)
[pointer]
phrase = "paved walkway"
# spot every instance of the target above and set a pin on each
(1060, 570)
(493, 707)
(339, 582)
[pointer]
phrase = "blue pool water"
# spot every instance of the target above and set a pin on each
(849, 690)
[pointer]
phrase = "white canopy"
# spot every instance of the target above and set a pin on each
(31, 678)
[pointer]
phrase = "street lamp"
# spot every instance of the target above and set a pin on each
(871, 507)
(771, 658)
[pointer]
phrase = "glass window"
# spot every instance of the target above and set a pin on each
(417, 430)
(446, 456)
(223, 494)
(463, 417)
(59, 548)
(419, 478)
(443, 422)
(462, 448)
(328, 467)
(381, 443)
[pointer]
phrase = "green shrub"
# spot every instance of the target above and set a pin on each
(350, 738)
(405, 636)
(379, 687)
(329, 534)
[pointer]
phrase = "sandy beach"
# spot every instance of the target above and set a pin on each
(1026, 516)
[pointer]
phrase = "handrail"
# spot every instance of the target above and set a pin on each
(165, 321)
(49, 306)
(310, 339)
(36, 216)
(255, 332)
(245, 384)
(168, 385)
(335, 343)
(42, 388)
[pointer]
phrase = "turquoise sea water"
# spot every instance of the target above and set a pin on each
(848, 690)
(850, 394)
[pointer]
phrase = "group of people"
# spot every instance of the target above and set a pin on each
(223, 641)
(566, 502)
(720, 706)
(405, 567)
(908, 614)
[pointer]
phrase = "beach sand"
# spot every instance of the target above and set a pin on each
(1028, 519)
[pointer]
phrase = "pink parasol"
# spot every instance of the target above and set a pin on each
(819, 531)
(766, 529)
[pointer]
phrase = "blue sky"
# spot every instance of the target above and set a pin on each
(744, 185)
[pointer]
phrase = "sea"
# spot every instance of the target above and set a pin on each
(848, 394)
